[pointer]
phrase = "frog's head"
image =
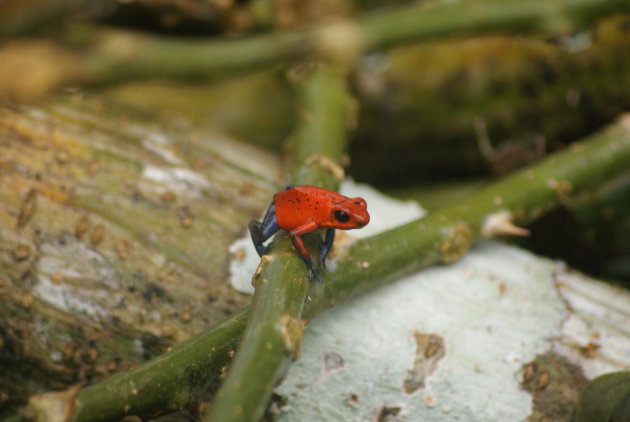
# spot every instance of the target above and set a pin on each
(351, 213)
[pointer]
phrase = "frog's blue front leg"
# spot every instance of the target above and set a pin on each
(325, 247)
(260, 232)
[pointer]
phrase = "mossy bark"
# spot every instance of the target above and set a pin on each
(113, 239)
(485, 105)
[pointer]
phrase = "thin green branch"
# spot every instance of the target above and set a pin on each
(166, 383)
(444, 235)
(142, 57)
(273, 336)
(433, 19)
(114, 56)
(125, 55)
(178, 377)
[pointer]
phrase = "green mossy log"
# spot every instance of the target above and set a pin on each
(113, 239)
(485, 105)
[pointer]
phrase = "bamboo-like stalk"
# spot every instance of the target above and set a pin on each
(274, 331)
(183, 374)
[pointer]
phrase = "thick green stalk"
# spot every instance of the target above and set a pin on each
(182, 375)
(273, 336)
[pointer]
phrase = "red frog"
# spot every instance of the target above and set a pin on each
(302, 209)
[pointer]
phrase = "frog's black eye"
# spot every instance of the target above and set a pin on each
(342, 216)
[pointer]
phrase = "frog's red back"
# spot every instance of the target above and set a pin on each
(298, 205)
(303, 204)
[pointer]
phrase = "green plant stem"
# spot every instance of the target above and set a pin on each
(433, 19)
(444, 235)
(271, 339)
(126, 55)
(319, 142)
(115, 56)
(168, 382)
(142, 57)
(182, 375)
(274, 332)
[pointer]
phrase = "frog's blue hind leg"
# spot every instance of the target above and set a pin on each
(325, 247)
(260, 232)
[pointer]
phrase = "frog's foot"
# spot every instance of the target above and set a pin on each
(321, 263)
(255, 229)
(312, 274)
(324, 248)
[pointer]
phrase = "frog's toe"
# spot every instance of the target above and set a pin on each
(312, 274)
(322, 264)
